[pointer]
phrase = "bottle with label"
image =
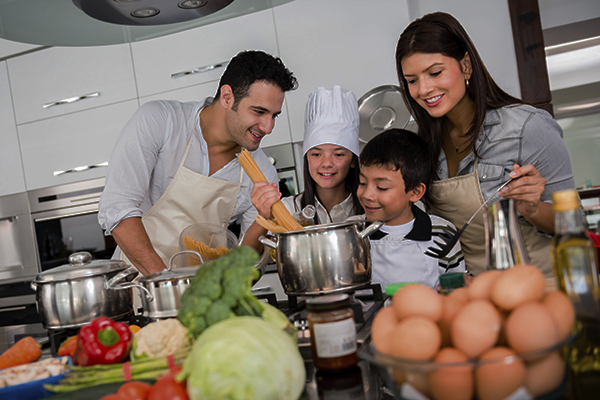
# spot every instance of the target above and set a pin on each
(451, 281)
(332, 332)
(575, 265)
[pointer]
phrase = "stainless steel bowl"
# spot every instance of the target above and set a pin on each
(325, 258)
(73, 295)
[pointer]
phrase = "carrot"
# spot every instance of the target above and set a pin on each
(24, 351)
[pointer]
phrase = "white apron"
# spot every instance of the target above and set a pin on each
(457, 198)
(191, 198)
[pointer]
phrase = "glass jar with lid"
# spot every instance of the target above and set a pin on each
(332, 332)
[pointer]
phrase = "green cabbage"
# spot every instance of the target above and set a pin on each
(244, 358)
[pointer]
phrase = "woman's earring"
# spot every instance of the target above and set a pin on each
(467, 83)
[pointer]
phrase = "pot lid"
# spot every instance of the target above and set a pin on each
(80, 266)
(380, 109)
(170, 275)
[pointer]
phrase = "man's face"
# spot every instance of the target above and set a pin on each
(255, 115)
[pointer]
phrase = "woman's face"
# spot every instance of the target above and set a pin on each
(329, 164)
(436, 82)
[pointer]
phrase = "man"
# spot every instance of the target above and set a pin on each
(174, 164)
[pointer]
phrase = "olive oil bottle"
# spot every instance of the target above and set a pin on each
(575, 263)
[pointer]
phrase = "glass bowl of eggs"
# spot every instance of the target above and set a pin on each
(502, 337)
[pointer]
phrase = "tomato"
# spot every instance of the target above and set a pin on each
(134, 390)
(166, 387)
(112, 396)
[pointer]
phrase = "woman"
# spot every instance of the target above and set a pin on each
(480, 137)
(331, 166)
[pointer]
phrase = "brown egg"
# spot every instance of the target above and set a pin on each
(480, 287)
(476, 327)
(497, 380)
(461, 294)
(530, 326)
(454, 382)
(545, 375)
(451, 306)
(416, 338)
(517, 285)
(419, 381)
(384, 326)
(417, 300)
(562, 311)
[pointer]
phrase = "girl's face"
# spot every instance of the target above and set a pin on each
(329, 164)
(436, 82)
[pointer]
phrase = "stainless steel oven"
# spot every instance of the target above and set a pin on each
(65, 220)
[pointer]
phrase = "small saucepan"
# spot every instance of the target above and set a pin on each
(324, 259)
(161, 291)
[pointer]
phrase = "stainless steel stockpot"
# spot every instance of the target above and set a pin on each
(73, 295)
(161, 291)
(324, 258)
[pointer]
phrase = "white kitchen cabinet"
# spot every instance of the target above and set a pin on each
(11, 170)
(350, 43)
(158, 60)
(71, 78)
(280, 134)
(70, 142)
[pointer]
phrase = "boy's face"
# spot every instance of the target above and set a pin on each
(382, 193)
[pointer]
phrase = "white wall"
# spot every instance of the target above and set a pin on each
(562, 12)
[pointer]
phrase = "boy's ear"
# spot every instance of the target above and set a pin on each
(417, 193)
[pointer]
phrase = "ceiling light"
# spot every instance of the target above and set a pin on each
(145, 12)
(190, 4)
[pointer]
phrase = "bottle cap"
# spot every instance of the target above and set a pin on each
(565, 200)
(452, 280)
(391, 289)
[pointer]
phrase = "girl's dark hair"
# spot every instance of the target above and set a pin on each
(400, 150)
(309, 195)
(252, 66)
(442, 33)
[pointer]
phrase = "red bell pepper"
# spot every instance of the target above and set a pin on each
(103, 341)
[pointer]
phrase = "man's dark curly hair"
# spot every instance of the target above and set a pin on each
(251, 66)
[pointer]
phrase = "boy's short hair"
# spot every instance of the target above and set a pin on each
(400, 150)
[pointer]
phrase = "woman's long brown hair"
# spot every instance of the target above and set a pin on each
(441, 33)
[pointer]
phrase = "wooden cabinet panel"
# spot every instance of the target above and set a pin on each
(11, 170)
(64, 74)
(71, 142)
(187, 53)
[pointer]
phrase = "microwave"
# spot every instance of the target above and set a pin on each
(65, 221)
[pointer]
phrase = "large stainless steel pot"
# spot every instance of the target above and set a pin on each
(161, 291)
(325, 258)
(73, 295)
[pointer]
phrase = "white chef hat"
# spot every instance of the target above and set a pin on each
(331, 117)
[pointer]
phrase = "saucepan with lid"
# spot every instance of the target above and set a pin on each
(161, 291)
(324, 259)
(73, 295)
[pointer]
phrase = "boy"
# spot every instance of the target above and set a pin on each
(395, 172)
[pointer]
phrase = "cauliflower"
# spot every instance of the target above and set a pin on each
(160, 338)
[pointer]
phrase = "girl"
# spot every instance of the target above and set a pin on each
(479, 136)
(331, 166)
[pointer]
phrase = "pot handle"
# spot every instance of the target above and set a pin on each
(268, 242)
(371, 229)
(114, 282)
(170, 266)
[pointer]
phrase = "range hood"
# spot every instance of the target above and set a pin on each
(106, 22)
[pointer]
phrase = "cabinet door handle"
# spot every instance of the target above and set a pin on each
(71, 100)
(199, 69)
(81, 169)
